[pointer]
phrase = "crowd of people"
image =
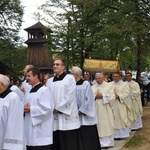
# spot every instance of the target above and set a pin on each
(66, 111)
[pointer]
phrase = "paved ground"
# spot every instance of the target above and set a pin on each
(120, 143)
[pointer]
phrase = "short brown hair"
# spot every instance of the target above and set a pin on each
(35, 71)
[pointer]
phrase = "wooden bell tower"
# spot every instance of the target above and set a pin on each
(37, 54)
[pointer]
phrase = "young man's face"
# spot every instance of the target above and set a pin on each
(128, 77)
(31, 79)
(58, 67)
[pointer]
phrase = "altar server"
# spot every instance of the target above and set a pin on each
(38, 113)
(66, 118)
(87, 111)
(11, 117)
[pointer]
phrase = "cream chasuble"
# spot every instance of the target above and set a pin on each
(122, 107)
(135, 97)
(104, 111)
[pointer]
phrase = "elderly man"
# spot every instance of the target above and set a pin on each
(122, 107)
(104, 97)
(87, 111)
(11, 117)
(135, 95)
(66, 118)
(38, 113)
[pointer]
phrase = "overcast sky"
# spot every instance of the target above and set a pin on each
(28, 19)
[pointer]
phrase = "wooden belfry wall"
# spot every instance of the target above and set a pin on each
(38, 56)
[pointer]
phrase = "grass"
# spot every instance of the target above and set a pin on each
(134, 142)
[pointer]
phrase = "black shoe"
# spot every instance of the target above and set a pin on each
(104, 147)
(117, 138)
(134, 129)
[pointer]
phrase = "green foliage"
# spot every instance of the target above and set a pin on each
(14, 58)
(11, 55)
(11, 13)
(101, 28)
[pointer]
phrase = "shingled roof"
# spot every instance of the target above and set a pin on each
(38, 25)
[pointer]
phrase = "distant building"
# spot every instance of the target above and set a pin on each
(38, 55)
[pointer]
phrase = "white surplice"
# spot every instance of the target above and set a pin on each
(64, 97)
(11, 122)
(39, 121)
(86, 104)
(87, 115)
(15, 89)
(26, 86)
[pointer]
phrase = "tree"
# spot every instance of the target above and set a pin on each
(103, 29)
(11, 13)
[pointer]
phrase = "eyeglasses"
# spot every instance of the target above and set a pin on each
(57, 64)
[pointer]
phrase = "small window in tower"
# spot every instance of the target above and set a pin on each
(40, 35)
(33, 35)
(29, 35)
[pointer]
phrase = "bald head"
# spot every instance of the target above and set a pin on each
(99, 77)
(99, 74)
(26, 68)
(4, 83)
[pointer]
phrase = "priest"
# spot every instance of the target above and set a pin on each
(104, 97)
(135, 95)
(122, 107)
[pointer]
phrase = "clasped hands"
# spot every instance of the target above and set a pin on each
(99, 96)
